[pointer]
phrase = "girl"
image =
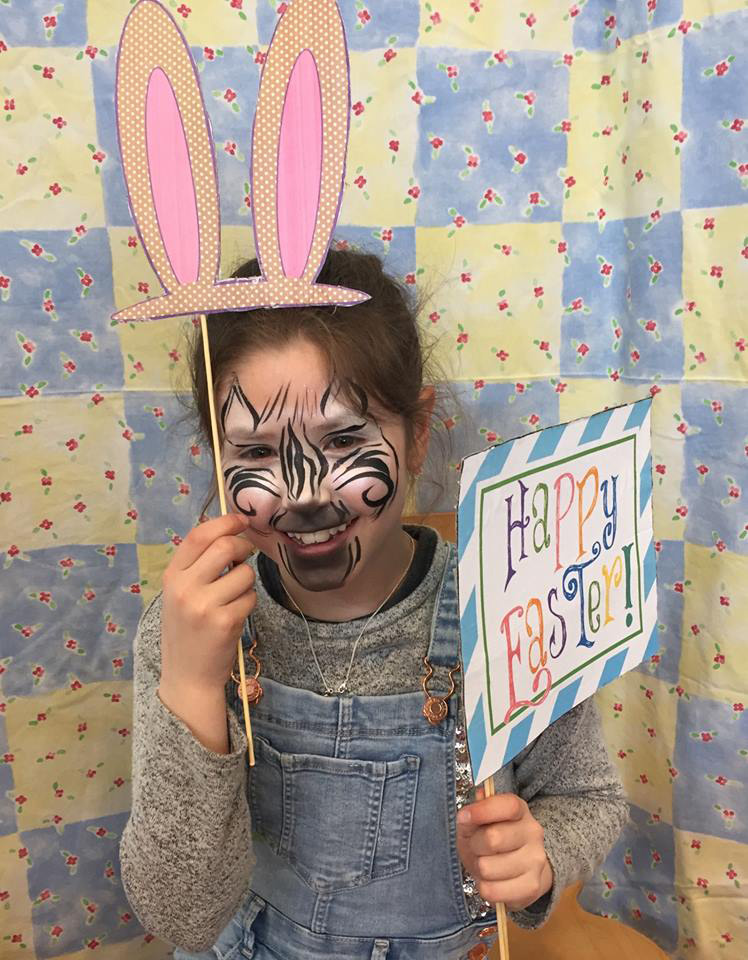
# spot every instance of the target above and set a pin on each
(353, 836)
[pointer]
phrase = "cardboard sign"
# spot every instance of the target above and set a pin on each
(556, 574)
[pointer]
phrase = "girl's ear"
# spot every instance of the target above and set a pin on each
(420, 443)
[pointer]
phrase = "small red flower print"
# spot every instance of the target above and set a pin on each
(37, 250)
(721, 68)
(737, 124)
(183, 10)
(389, 54)
(394, 145)
(48, 72)
(358, 108)
(21, 169)
(437, 143)
(583, 349)
(55, 189)
(229, 95)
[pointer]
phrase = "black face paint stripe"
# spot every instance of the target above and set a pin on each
(353, 428)
(372, 464)
(243, 478)
(275, 402)
(324, 466)
(325, 398)
(283, 402)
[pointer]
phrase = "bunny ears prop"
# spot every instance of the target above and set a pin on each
(299, 144)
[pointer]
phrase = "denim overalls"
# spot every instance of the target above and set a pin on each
(352, 802)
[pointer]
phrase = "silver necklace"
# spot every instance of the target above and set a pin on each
(343, 687)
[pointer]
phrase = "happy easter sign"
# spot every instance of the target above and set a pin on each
(556, 574)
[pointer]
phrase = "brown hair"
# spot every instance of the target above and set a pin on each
(375, 346)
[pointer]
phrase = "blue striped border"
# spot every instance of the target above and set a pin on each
(645, 484)
(518, 738)
(493, 462)
(596, 427)
(469, 630)
(547, 442)
(476, 735)
(639, 411)
(613, 667)
(650, 568)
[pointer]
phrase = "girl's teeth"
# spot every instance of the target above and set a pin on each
(319, 536)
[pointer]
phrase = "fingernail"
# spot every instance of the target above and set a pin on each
(463, 816)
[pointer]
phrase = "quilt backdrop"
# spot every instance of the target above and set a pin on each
(570, 180)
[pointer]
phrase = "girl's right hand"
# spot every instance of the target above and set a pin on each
(204, 609)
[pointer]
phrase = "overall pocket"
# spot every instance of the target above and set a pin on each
(339, 822)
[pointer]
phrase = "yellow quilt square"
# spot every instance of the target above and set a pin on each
(58, 771)
(711, 905)
(623, 151)
(582, 398)
(701, 10)
(713, 648)
(17, 916)
(488, 308)
(76, 445)
(206, 24)
(48, 138)
(382, 147)
(152, 561)
(486, 25)
(638, 718)
(715, 291)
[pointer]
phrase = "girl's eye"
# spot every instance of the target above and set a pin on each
(256, 453)
(343, 442)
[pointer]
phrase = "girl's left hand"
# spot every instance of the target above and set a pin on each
(501, 845)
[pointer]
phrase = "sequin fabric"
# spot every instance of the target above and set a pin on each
(478, 908)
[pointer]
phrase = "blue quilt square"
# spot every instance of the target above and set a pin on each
(715, 482)
(8, 823)
(641, 350)
(368, 26)
(78, 326)
(709, 737)
(90, 595)
(714, 93)
(38, 24)
(474, 418)
(643, 848)
(231, 123)
(397, 250)
(94, 850)
(456, 117)
(168, 485)
(666, 666)
(594, 30)
(116, 208)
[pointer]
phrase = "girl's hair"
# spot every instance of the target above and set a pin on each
(375, 349)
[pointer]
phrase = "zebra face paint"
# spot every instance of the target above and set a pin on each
(319, 480)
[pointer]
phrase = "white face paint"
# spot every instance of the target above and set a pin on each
(320, 481)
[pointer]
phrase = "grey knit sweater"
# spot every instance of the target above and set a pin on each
(186, 851)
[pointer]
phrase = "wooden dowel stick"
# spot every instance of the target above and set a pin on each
(222, 500)
(488, 791)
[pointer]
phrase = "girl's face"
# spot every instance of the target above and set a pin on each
(323, 485)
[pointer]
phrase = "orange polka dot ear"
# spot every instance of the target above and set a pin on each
(297, 176)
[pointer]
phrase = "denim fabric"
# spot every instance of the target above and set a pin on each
(352, 802)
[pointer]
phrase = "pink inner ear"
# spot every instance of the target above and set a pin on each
(172, 185)
(299, 165)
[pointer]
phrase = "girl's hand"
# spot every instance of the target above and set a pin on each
(501, 845)
(204, 609)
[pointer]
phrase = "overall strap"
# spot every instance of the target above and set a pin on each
(444, 647)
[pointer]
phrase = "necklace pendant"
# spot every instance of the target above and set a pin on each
(253, 690)
(435, 710)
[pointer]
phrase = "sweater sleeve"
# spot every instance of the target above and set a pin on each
(573, 790)
(186, 852)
